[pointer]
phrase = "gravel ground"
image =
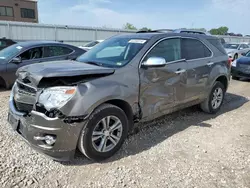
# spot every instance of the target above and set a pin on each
(184, 149)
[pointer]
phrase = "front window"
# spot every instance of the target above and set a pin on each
(9, 52)
(115, 52)
(248, 54)
(231, 46)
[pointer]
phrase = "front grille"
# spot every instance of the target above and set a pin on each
(23, 107)
(26, 88)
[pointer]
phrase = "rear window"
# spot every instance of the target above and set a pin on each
(194, 49)
(217, 44)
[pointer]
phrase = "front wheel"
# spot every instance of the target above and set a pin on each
(104, 133)
(214, 102)
(235, 56)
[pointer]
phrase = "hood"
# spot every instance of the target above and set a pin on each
(59, 69)
(244, 60)
(229, 50)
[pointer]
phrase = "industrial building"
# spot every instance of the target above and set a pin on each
(19, 10)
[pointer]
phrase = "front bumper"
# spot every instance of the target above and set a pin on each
(239, 73)
(36, 124)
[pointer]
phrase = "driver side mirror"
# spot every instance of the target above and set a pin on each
(16, 60)
(243, 54)
(154, 62)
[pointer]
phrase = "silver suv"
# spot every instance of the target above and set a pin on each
(92, 103)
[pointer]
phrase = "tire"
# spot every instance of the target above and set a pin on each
(207, 105)
(93, 149)
(235, 56)
(235, 78)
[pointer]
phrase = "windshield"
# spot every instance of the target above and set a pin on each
(231, 46)
(10, 51)
(91, 44)
(115, 52)
(248, 54)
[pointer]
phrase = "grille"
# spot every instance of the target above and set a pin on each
(26, 88)
(23, 107)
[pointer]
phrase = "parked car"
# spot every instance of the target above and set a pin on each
(4, 43)
(241, 67)
(32, 52)
(234, 50)
(90, 45)
(93, 102)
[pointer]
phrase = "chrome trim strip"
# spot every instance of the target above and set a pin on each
(26, 85)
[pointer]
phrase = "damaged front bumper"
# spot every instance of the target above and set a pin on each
(36, 127)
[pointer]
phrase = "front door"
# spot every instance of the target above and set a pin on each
(31, 56)
(164, 87)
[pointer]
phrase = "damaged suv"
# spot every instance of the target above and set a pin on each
(92, 103)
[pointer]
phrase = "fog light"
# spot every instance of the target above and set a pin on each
(48, 139)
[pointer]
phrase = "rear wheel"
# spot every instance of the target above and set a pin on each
(104, 132)
(213, 103)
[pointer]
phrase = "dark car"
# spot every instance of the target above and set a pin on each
(241, 67)
(93, 102)
(32, 52)
(4, 43)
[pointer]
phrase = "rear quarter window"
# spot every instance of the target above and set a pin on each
(217, 44)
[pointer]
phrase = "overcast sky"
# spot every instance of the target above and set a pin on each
(149, 13)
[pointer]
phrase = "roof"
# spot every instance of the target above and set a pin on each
(32, 43)
(149, 35)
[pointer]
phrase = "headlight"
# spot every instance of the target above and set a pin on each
(234, 63)
(56, 97)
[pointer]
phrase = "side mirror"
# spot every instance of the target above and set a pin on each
(16, 60)
(154, 62)
(241, 48)
(243, 54)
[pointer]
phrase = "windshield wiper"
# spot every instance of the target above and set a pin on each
(94, 63)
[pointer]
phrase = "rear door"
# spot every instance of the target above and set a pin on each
(164, 87)
(199, 65)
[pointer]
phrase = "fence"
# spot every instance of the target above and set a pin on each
(69, 34)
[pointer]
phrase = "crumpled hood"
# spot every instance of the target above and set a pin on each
(244, 60)
(35, 72)
(229, 50)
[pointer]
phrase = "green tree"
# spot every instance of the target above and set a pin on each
(129, 26)
(219, 31)
(145, 29)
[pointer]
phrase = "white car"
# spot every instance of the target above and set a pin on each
(91, 44)
(234, 50)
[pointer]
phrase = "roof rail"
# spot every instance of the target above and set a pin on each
(190, 31)
(156, 31)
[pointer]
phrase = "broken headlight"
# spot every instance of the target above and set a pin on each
(56, 97)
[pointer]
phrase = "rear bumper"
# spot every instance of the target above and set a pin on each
(237, 73)
(37, 125)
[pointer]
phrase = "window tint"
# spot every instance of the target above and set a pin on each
(217, 44)
(28, 13)
(194, 49)
(169, 49)
(52, 51)
(6, 11)
(34, 53)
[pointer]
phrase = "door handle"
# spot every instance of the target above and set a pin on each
(180, 71)
(210, 64)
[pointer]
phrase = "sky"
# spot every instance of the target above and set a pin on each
(154, 14)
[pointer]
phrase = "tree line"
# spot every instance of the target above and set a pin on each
(215, 31)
